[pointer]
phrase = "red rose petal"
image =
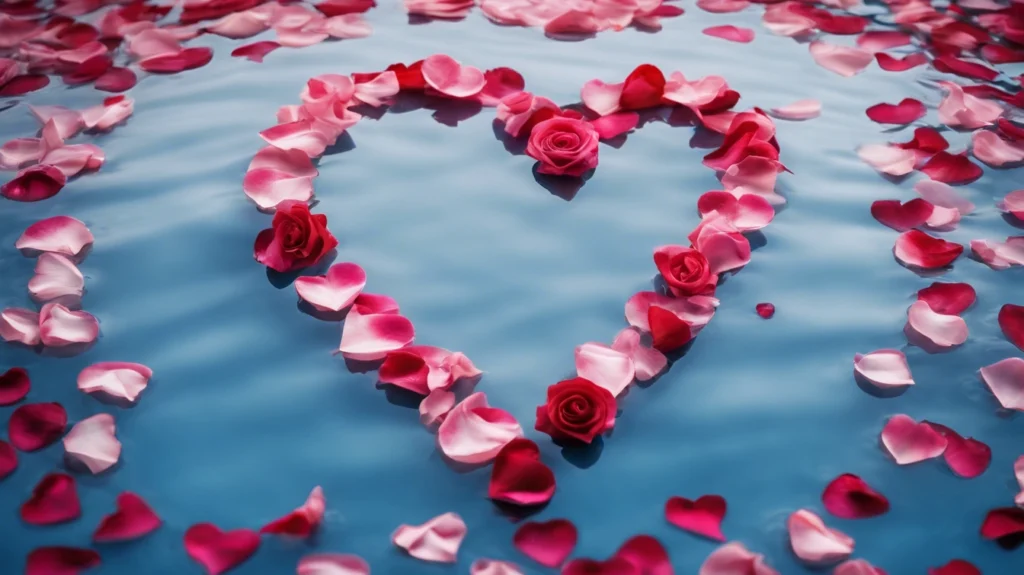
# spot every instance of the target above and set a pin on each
(951, 64)
(669, 331)
(54, 500)
(703, 516)
(519, 476)
(8, 459)
(303, 521)
(132, 519)
(187, 59)
(948, 298)
(918, 249)
(116, 79)
(765, 310)
(34, 183)
(927, 140)
(255, 51)
(613, 566)
(647, 555)
(951, 168)
(219, 551)
(902, 217)
(955, 567)
(1011, 321)
(967, 457)
(1005, 526)
(850, 497)
(21, 85)
(548, 543)
(999, 54)
(891, 64)
(908, 441)
(60, 561)
(14, 386)
(643, 88)
(907, 111)
(35, 425)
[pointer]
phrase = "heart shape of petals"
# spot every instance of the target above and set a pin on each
(967, 457)
(474, 432)
(1011, 321)
(276, 175)
(304, 520)
(92, 443)
(33, 426)
(948, 298)
(888, 159)
(435, 406)
(372, 336)
(1005, 526)
(906, 111)
(857, 567)
(493, 567)
(955, 567)
(19, 325)
(1005, 379)
(8, 459)
(60, 235)
(14, 386)
(424, 368)
(56, 277)
(885, 369)
(696, 311)
(647, 361)
(332, 564)
(334, 291)
(60, 561)
(908, 441)
(519, 476)
(734, 559)
(703, 516)
(647, 555)
(842, 60)
(934, 331)
(611, 566)
(799, 110)
(34, 183)
(815, 543)
(917, 249)
(437, 540)
(118, 379)
(449, 77)
(850, 497)
(549, 543)
(132, 519)
(902, 217)
(605, 366)
(219, 551)
(54, 500)
(59, 326)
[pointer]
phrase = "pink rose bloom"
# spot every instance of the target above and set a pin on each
(563, 146)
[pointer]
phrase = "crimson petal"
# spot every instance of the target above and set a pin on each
(219, 551)
(60, 561)
(955, 567)
(34, 183)
(951, 168)
(14, 386)
(703, 516)
(1005, 526)
(519, 476)
(850, 497)
(647, 555)
(548, 543)
(920, 250)
(8, 459)
(1011, 321)
(902, 217)
(54, 500)
(948, 298)
(907, 111)
(132, 519)
(35, 425)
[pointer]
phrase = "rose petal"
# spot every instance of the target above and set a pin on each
(842, 60)
(59, 326)
(34, 183)
(906, 111)
(332, 564)
(734, 559)
(549, 543)
(300, 135)
(995, 151)
(753, 175)
(857, 567)
(304, 520)
(132, 519)
(935, 329)
(605, 366)
(600, 97)
(647, 361)
(902, 217)
(437, 540)
(942, 195)
(748, 213)
(33, 426)
(694, 310)
(961, 110)
(813, 542)
(703, 516)
(474, 432)
(111, 112)
(647, 555)
(730, 33)
(219, 551)
(1013, 203)
(435, 406)
(59, 234)
(68, 122)
(951, 168)
(910, 442)
(54, 500)
(14, 386)
(8, 459)
(1000, 255)
(920, 250)
(370, 337)
(888, 159)
(377, 91)
(449, 77)
(116, 379)
(335, 291)
(493, 567)
(878, 40)
(92, 443)
(614, 125)
(60, 561)
(256, 51)
(56, 277)
(850, 497)
(1011, 322)
(799, 110)
(885, 368)
(1005, 526)
(187, 59)
(948, 298)
(1005, 379)
(519, 476)
(967, 457)
(955, 567)
(19, 325)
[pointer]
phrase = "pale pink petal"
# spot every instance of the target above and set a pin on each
(335, 291)
(799, 110)
(59, 326)
(297, 136)
(437, 540)
(888, 159)
(648, 362)
(678, 89)
(936, 329)
(19, 152)
(1005, 379)
(961, 110)
(153, 42)
(374, 92)
(19, 325)
(734, 559)
(277, 175)
(990, 148)
(605, 366)
(753, 175)
(435, 406)
(726, 249)
(600, 97)
(111, 112)
(324, 90)
(117, 379)
(813, 542)
(910, 442)
(307, 35)
(239, 25)
(348, 27)
(493, 567)
(332, 564)
(942, 219)
(58, 234)
(885, 368)
(56, 277)
(473, 432)
(371, 337)
(781, 20)
(1000, 255)
(857, 567)
(449, 77)
(71, 160)
(944, 196)
(695, 310)
(1013, 203)
(572, 23)
(92, 443)
(68, 122)
(747, 213)
(842, 60)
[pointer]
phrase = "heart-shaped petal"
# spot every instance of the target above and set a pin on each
(60, 234)
(115, 378)
(703, 516)
(92, 443)
(60, 561)
(449, 77)
(437, 540)
(902, 217)
(919, 250)
(519, 476)
(934, 331)
(1005, 379)
(54, 500)
(948, 298)
(304, 520)
(600, 97)
(219, 551)
(549, 543)
(59, 326)
(850, 497)
(910, 442)
(56, 277)
(1011, 321)
(885, 368)
(748, 213)
(132, 519)
(370, 337)
(605, 366)
(14, 386)
(333, 564)
(906, 111)
(334, 291)
(813, 542)
(647, 555)
(33, 426)
(474, 432)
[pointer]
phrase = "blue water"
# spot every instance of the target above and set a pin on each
(248, 409)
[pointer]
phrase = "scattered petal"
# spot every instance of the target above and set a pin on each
(332, 564)
(842, 60)
(703, 516)
(474, 432)
(33, 426)
(219, 551)
(34, 183)
(885, 368)
(648, 362)
(731, 33)
(92, 443)
(19, 325)
(1011, 321)
(54, 500)
(934, 329)
(605, 366)
(647, 555)
(888, 159)
(132, 519)
(850, 497)
(549, 543)
(493, 567)
(519, 476)
(907, 111)
(902, 217)
(955, 567)
(435, 406)
(335, 291)
(920, 250)
(372, 336)
(60, 234)
(59, 326)
(734, 559)
(60, 561)
(813, 542)
(8, 459)
(437, 540)
(910, 442)
(255, 51)
(1005, 379)
(56, 277)
(14, 386)
(948, 298)
(304, 520)
(799, 110)
(449, 77)
(1005, 526)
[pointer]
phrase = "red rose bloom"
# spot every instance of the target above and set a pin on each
(577, 409)
(686, 270)
(296, 239)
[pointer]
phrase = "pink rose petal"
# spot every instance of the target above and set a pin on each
(449, 77)
(600, 97)
(730, 33)
(111, 112)
(696, 310)
(857, 567)
(910, 442)
(961, 110)
(34, 183)
(1005, 379)
(996, 152)
(613, 125)
(1000, 255)
(370, 337)
(92, 443)
(437, 540)
(799, 110)
(943, 195)
(935, 329)
(725, 248)
(347, 27)
(748, 213)
(332, 564)
(335, 291)
(1013, 203)
(68, 122)
(435, 406)
(19, 325)
(493, 567)
(888, 159)
(300, 135)
(423, 368)
(966, 457)
(116, 379)
(647, 361)
(474, 432)
(219, 551)
(378, 90)
(753, 175)
(842, 60)
(56, 277)
(647, 555)
(734, 559)
(885, 368)
(277, 175)
(59, 326)
(605, 366)
(19, 152)
(813, 542)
